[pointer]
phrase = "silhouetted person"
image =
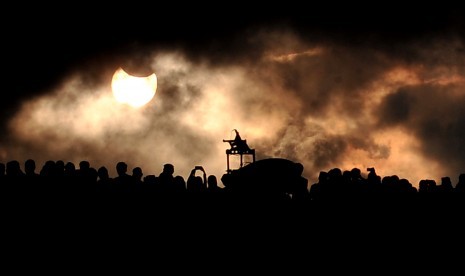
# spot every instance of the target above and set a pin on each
(151, 185)
(460, 186)
(69, 170)
(212, 184)
(86, 178)
(238, 144)
(423, 186)
(103, 181)
(137, 175)
(166, 178)
(228, 180)
(358, 183)
(70, 178)
(83, 173)
(47, 169)
(32, 177)
(13, 169)
(445, 190)
(30, 168)
(196, 183)
(14, 176)
(123, 181)
(179, 184)
(319, 190)
(373, 179)
(446, 185)
(2, 174)
(335, 183)
(60, 168)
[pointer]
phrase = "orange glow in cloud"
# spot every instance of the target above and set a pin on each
(314, 104)
(404, 160)
(292, 56)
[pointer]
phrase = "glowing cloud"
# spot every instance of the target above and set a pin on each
(324, 105)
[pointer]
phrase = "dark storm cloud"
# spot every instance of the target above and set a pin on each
(338, 74)
(435, 114)
(396, 108)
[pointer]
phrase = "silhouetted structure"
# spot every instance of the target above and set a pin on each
(238, 147)
(271, 178)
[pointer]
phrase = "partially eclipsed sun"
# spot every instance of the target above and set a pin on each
(131, 90)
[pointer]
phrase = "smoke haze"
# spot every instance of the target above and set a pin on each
(317, 101)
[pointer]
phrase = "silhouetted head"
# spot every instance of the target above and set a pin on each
(150, 179)
(404, 184)
(180, 183)
(386, 180)
(431, 183)
(356, 173)
(460, 186)
(121, 168)
(84, 165)
(335, 174)
(446, 181)
(29, 166)
(322, 177)
(212, 181)
(227, 180)
(48, 168)
(60, 164)
(423, 186)
(395, 178)
(102, 173)
(137, 173)
(13, 168)
(347, 176)
(70, 168)
(168, 168)
(179, 179)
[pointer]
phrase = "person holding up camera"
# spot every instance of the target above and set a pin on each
(373, 178)
(196, 183)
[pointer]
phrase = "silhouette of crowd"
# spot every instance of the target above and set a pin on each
(268, 201)
(57, 180)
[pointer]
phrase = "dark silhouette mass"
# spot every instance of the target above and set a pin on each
(269, 181)
(264, 215)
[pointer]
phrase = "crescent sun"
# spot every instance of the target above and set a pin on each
(132, 90)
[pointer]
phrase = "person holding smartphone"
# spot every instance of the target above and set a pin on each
(197, 183)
